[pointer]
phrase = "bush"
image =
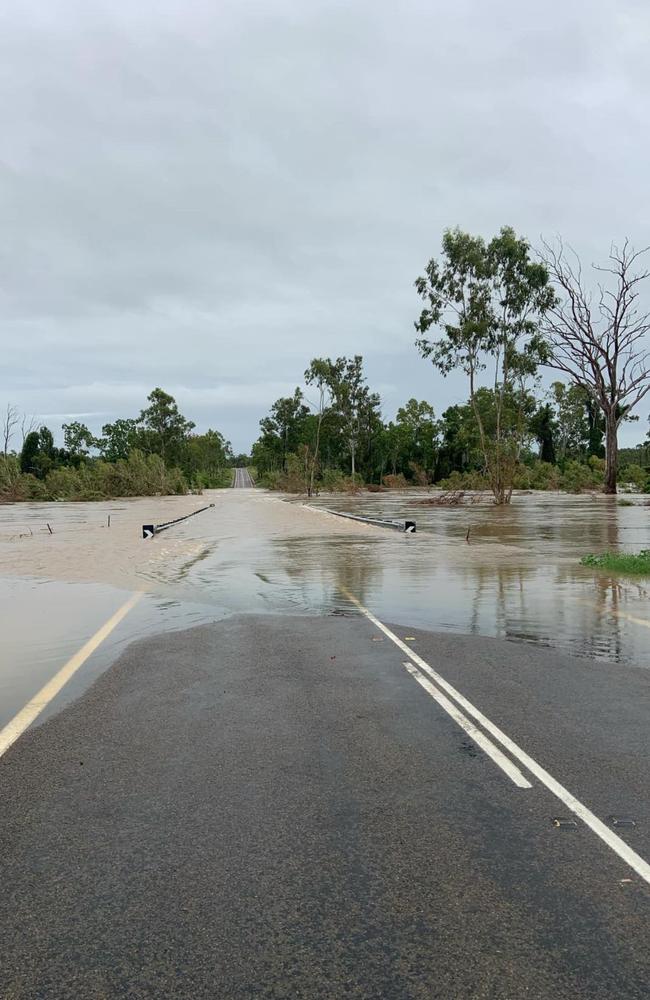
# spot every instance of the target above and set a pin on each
(139, 475)
(270, 480)
(537, 475)
(395, 482)
(63, 484)
(473, 480)
(420, 477)
(293, 480)
(577, 477)
(635, 475)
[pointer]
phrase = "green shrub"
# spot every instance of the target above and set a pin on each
(471, 480)
(577, 476)
(139, 475)
(537, 475)
(620, 562)
(63, 484)
(635, 475)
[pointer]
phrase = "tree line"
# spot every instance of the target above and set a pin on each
(495, 311)
(156, 452)
(499, 314)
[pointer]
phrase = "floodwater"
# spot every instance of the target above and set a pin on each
(518, 577)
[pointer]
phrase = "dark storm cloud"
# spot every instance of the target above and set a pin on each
(204, 196)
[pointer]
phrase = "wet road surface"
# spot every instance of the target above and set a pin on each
(272, 806)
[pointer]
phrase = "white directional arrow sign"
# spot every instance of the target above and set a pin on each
(148, 531)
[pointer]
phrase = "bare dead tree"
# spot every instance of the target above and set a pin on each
(598, 340)
(27, 425)
(9, 422)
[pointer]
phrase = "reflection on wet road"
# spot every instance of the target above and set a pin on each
(519, 578)
(45, 622)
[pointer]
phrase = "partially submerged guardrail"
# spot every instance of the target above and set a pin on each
(396, 525)
(149, 530)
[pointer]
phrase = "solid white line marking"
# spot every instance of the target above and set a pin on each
(613, 841)
(476, 734)
(35, 706)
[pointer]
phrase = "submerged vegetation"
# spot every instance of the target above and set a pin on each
(305, 444)
(620, 562)
(156, 453)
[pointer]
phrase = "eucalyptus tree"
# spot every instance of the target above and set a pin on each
(119, 439)
(282, 429)
(318, 376)
(164, 428)
(77, 441)
(356, 406)
(486, 302)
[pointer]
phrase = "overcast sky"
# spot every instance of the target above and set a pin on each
(205, 195)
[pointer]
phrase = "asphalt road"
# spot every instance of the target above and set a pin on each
(275, 807)
(242, 480)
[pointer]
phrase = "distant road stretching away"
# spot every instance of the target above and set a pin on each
(242, 480)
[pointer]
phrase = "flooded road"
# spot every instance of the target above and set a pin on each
(518, 578)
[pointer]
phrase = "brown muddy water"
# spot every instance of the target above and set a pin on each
(518, 578)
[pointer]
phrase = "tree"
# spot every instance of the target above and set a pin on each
(598, 340)
(30, 452)
(487, 301)
(9, 422)
(318, 375)
(46, 443)
(544, 428)
(205, 456)
(77, 441)
(119, 439)
(572, 431)
(27, 425)
(282, 428)
(416, 421)
(166, 429)
(457, 433)
(39, 456)
(355, 405)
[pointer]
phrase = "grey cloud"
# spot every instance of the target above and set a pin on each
(204, 196)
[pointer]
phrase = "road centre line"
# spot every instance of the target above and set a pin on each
(24, 718)
(477, 735)
(643, 622)
(611, 839)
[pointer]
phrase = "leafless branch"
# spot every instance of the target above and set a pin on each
(9, 422)
(601, 348)
(28, 424)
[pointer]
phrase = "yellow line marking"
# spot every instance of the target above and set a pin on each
(35, 706)
(604, 610)
(628, 617)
